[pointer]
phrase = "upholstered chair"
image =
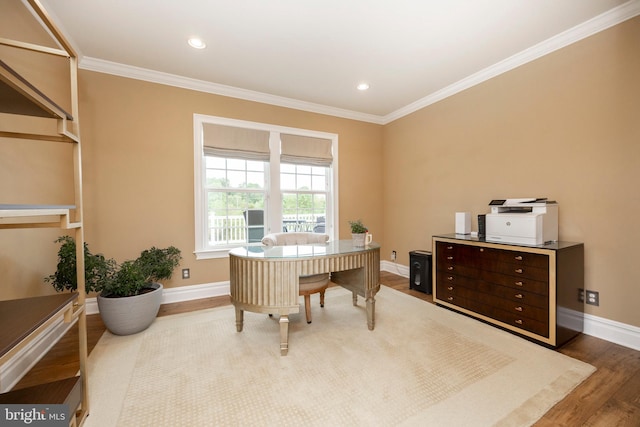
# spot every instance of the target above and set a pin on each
(316, 283)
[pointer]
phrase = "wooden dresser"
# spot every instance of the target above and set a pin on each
(533, 291)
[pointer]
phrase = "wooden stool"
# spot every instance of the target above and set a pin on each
(311, 285)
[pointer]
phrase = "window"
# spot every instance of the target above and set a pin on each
(234, 189)
(252, 179)
(304, 197)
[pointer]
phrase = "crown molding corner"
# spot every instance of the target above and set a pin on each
(588, 28)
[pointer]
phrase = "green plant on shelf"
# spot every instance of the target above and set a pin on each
(357, 227)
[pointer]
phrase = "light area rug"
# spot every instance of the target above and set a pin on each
(421, 365)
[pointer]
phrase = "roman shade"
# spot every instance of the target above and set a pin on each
(305, 150)
(234, 142)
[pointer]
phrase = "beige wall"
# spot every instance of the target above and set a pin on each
(566, 126)
(138, 165)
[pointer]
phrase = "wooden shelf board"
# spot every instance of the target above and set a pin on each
(37, 216)
(13, 211)
(22, 317)
(62, 392)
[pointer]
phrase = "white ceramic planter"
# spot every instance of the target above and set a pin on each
(361, 240)
(358, 239)
(130, 315)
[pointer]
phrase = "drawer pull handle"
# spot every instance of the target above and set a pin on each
(449, 257)
(518, 257)
(518, 308)
(519, 296)
(518, 283)
(449, 277)
(481, 249)
(519, 322)
(450, 298)
(449, 288)
(449, 247)
(450, 268)
(518, 270)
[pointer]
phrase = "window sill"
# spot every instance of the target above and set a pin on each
(218, 252)
(212, 253)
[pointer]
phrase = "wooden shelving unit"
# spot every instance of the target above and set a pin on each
(27, 113)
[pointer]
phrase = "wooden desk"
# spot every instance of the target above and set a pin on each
(264, 279)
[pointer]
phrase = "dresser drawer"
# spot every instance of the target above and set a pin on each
(454, 295)
(529, 304)
(516, 319)
(538, 324)
(525, 259)
(467, 259)
(457, 274)
(516, 282)
(451, 253)
(514, 308)
(493, 291)
(495, 265)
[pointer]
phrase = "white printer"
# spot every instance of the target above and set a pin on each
(523, 221)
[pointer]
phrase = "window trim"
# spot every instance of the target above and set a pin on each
(201, 250)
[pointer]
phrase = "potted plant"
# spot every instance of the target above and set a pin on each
(97, 268)
(359, 233)
(129, 294)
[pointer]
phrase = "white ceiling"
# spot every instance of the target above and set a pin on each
(311, 54)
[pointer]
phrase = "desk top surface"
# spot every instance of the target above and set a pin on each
(336, 247)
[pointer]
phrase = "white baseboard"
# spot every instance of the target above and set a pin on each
(612, 331)
(395, 268)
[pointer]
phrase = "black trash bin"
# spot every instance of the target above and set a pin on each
(420, 277)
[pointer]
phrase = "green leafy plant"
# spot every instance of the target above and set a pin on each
(98, 269)
(106, 276)
(158, 264)
(133, 276)
(357, 227)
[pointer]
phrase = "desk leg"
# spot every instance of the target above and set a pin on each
(371, 311)
(239, 319)
(284, 334)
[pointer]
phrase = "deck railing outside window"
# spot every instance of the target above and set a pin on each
(234, 228)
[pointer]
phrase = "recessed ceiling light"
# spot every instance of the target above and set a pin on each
(196, 43)
(363, 86)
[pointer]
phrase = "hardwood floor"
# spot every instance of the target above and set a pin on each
(609, 397)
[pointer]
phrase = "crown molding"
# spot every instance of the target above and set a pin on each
(601, 22)
(588, 28)
(128, 71)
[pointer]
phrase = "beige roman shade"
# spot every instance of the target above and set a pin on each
(305, 150)
(234, 142)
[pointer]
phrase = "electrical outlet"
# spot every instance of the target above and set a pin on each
(393, 255)
(186, 273)
(580, 294)
(593, 298)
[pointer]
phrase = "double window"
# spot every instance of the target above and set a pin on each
(252, 179)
